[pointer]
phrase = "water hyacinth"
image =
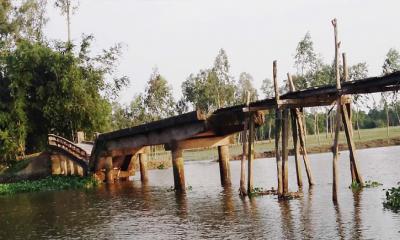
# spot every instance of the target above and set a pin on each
(393, 198)
(51, 183)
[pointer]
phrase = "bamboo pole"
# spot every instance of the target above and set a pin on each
(278, 121)
(335, 148)
(242, 189)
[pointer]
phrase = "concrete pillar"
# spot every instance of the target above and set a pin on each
(178, 168)
(224, 167)
(143, 167)
(109, 169)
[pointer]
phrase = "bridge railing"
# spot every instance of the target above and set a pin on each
(54, 140)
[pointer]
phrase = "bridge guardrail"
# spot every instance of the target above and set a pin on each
(60, 142)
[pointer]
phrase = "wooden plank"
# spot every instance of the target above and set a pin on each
(302, 139)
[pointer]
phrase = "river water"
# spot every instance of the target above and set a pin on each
(131, 210)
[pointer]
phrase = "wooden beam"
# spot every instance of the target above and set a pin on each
(204, 142)
(109, 168)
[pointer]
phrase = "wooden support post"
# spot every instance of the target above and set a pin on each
(301, 135)
(224, 165)
(347, 110)
(178, 169)
(242, 189)
(352, 147)
(335, 148)
(278, 122)
(143, 167)
(296, 148)
(285, 151)
(295, 134)
(250, 157)
(109, 169)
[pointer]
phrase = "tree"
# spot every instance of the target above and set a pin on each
(210, 88)
(356, 72)
(267, 88)
(391, 64)
(158, 97)
(67, 8)
(244, 86)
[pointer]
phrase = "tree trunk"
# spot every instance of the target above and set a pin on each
(269, 129)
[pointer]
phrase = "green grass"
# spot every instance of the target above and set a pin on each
(51, 183)
(311, 141)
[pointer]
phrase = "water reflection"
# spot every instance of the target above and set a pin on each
(356, 231)
(286, 219)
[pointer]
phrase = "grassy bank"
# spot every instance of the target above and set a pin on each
(51, 183)
(368, 138)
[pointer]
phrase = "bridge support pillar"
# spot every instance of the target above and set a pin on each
(178, 168)
(224, 167)
(109, 170)
(143, 167)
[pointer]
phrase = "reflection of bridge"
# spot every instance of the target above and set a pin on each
(112, 153)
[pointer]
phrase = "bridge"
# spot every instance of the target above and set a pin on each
(112, 155)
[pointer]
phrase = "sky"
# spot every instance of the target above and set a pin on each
(180, 37)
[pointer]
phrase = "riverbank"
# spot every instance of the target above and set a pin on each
(51, 183)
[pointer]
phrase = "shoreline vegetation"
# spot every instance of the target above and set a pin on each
(50, 183)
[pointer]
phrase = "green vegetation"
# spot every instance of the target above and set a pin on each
(368, 184)
(49, 86)
(51, 183)
(393, 198)
(161, 166)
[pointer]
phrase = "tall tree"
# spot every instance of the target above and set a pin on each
(67, 8)
(244, 86)
(158, 97)
(391, 64)
(356, 72)
(210, 88)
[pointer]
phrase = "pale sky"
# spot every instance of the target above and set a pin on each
(183, 36)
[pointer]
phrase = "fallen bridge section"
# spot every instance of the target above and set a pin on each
(114, 152)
